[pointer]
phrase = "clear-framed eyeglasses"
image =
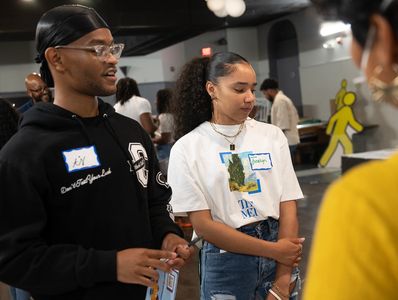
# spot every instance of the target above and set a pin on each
(102, 51)
(39, 89)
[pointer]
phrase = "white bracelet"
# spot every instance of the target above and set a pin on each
(274, 294)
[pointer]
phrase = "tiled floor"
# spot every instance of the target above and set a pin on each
(313, 183)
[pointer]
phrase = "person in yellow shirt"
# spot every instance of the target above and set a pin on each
(355, 249)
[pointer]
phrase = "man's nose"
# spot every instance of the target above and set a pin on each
(111, 59)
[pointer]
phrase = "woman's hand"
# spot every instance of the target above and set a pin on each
(270, 297)
(288, 251)
(174, 243)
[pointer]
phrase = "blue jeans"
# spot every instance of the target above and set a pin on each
(231, 276)
(292, 149)
(18, 294)
(163, 151)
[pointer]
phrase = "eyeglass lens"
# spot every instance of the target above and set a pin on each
(115, 50)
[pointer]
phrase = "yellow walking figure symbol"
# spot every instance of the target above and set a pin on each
(337, 128)
(340, 95)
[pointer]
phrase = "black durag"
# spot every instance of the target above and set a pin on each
(61, 26)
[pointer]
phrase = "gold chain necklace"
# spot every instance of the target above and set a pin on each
(228, 137)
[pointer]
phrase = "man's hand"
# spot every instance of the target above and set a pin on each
(139, 265)
(174, 243)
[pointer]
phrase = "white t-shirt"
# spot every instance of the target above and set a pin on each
(284, 115)
(239, 187)
(166, 123)
(134, 108)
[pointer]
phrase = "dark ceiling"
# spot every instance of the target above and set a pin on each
(144, 26)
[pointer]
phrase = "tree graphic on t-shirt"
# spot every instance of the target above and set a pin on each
(235, 170)
(242, 178)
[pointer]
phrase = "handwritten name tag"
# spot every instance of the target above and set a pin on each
(81, 159)
(260, 161)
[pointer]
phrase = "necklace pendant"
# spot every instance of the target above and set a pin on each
(232, 147)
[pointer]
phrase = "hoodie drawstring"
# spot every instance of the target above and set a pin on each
(112, 131)
(83, 128)
(128, 157)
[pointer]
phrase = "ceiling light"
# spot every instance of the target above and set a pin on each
(235, 8)
(215, 5)
(222, 13)
(223, 8)
(329, 28)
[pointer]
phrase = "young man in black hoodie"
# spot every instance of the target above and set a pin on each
(83, 205)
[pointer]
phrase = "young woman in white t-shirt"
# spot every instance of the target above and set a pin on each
(163, 139)
(234, 178)
(130, 104)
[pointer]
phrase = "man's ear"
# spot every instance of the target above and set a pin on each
(54, 60)
(385, 44)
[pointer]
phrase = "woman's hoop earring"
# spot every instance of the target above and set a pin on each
(382, 91)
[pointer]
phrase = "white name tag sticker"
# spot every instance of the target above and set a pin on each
(81, 159)
(260, 161)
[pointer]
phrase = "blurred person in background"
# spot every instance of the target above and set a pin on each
(130, 104)
(283, 112)
(37, 90)
(8, 121)
(164, 135)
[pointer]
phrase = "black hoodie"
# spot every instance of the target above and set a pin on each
(73, 192)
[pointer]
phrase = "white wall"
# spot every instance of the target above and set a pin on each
(16, 61)
(194, 45)
(173, 59)
(143, 69)
(244, 42)
(160, 66)
(321, 71)
(12, 77)
(165, 64)
(321, 82)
